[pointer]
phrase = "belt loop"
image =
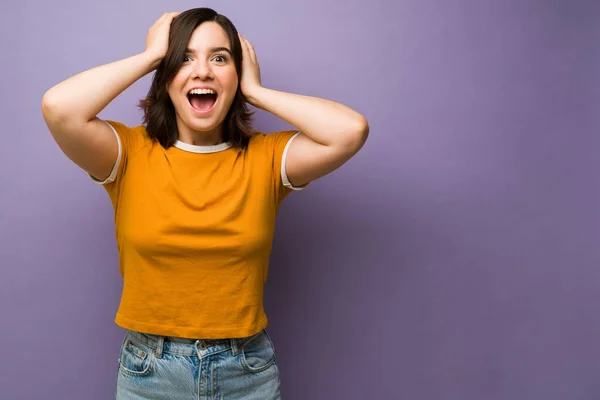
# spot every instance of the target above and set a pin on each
(234, 347)
(159, 346)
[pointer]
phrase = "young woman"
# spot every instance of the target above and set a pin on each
(195, 194)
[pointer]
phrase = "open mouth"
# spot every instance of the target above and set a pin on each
(202, 101)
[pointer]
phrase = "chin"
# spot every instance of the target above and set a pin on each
(200, 124)
(201, 127)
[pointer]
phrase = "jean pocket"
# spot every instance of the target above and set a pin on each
(136, 358)
(257, 353)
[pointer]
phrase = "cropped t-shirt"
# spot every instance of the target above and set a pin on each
(194, 229)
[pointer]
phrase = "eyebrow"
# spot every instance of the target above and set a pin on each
(212, 50)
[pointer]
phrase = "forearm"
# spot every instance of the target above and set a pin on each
(324, 121)
(84, 95)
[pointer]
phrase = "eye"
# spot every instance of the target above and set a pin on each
(186, 57)
(222, 57)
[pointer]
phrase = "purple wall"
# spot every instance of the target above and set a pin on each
(456, 257)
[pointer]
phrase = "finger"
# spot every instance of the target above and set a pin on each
(159, 22)
(251, 51)
(244, 47)
(160, 19)
(170, 17)
(167, 15)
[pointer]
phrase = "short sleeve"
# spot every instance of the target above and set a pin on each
(115, 170)
(281, 143)
(129, 140)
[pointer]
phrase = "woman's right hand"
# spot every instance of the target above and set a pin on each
(157, 39)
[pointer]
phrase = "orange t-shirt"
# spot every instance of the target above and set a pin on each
(194, 228)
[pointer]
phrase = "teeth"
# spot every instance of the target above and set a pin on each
(202, 91)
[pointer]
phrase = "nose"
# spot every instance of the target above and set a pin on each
(202, 70)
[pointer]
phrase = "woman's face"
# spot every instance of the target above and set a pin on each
(208, 64)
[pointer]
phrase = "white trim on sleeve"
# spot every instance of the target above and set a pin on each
(113, 173)
(284, 177)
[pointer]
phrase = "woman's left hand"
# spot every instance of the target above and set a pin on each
(250, 81)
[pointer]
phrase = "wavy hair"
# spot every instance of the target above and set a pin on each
(159, 113)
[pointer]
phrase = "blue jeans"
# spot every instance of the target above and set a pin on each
(164, 367)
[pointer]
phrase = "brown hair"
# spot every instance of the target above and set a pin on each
(159, 112)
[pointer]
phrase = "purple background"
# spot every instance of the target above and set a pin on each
(455, 257)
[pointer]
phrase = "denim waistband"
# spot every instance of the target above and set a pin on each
(184, 346)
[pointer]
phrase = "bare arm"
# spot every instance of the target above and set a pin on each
(332, 133)
(70, 108)
(83, 96)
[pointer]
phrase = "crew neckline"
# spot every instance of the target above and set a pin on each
(202, 149)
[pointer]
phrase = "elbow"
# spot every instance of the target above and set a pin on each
(54, 110)
(49, 106)
(360, 134)
(364, 129)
